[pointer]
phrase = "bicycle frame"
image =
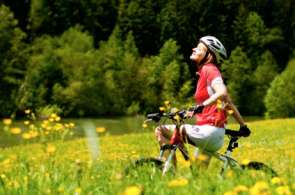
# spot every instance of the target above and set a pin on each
(226, 158)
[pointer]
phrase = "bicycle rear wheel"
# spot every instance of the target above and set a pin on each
(145, 167)
(259, 166)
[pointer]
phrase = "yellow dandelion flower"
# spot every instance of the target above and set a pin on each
(144, 125)
(15, 130)
(245, 161)
(202, 157)
(27, 111)
(7, 121)
(260, 188)
(78, 190)
(229, 174)
(167, 103)
(61, 189)
(72, 125)
(57, 118)
(51, 119)
(178, 182)
(50, 149)
(277, 181)
(33, 134)
(133, 190)
(53, 115)
(176, 117)
(26, 136)
(26, 122)
(230, 193)
(230, 112)
(283, 190)
(100, 129)
(3, 176)
(162, 109)
(241, 188)
(219, 104)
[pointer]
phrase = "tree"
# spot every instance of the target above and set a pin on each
(279, 100)
(13, 56)
(238, 72)
(167, 78)
(264, 74)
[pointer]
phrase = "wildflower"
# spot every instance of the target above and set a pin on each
(57, 118)
(26, 136)
(277, 181)
(162, 109)
(260, 188)
(241, 188)
(27, 111)
(7, 121)
(202, 157)
(230, 111)
(72, 125)
(100, 129)
(78, 191)
(219, 104)
(178, 182)
(61, 189)
(50, 149)
(15, 130)
(283, 190)
(133, 190)
(229, 174)
(230, 193)
(26, 122)
(33, 134)
(245, 161)
(144, 125)
(167, 103)
(53, 115)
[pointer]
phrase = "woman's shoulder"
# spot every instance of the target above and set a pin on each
(210, 68)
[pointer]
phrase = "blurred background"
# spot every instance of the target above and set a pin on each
(102, 58)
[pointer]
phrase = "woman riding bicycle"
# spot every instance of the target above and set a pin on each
(212, 103)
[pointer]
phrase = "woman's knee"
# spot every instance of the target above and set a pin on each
(158, 131)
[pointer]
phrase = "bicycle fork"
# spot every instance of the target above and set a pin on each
(168, 163)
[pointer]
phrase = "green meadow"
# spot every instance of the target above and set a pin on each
(95, 164)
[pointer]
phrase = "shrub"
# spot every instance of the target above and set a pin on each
(279, 100)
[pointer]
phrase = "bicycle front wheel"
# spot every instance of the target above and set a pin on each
(145, 167)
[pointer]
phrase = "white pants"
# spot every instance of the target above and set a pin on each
(207, 138)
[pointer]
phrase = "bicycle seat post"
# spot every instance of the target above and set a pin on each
(232, 145)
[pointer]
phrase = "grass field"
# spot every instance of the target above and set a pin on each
(80, 166)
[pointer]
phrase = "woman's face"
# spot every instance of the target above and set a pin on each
(198, 53)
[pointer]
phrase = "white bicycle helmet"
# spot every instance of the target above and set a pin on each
(215, 46)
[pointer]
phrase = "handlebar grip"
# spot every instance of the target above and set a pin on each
(155, 116)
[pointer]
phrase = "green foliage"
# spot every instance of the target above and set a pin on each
(238, 72)
(166, 77)
(279, 100)
(264, 74)
(13, 54)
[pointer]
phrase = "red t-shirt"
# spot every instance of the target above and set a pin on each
(211, 115)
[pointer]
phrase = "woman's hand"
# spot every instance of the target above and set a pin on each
(194, 110)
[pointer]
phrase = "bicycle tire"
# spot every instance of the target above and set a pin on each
(259, 166)
(149, 161)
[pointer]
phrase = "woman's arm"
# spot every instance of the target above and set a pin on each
(221, 92)
(236, 113)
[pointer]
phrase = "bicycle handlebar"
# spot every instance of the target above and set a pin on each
(157, 116)
(182, 115)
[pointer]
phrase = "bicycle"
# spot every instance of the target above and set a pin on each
(178, 118)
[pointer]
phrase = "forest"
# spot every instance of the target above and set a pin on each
(108, 58)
